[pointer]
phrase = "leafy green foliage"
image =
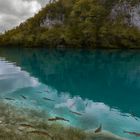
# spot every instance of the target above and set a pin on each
(84, 23)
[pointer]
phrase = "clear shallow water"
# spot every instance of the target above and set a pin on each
(102, 85)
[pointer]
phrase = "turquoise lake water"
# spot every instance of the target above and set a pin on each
(102, 85)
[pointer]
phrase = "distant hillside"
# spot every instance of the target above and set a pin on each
(80, 23)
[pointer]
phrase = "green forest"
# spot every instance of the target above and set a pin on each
(75, 23)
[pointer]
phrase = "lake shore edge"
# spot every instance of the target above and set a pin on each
(15, 124)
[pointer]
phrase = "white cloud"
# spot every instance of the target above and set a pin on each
(14, 78)
(13, 12)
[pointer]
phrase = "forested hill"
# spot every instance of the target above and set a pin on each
(80, 23)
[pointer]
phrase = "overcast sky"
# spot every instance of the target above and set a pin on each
(13, 12)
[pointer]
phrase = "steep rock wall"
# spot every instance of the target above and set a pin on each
(131, 14)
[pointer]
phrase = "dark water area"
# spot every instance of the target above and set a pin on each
(105, 84)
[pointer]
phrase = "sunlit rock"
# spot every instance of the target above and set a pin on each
(104, 135)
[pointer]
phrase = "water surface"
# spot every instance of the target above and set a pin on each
(104, 86)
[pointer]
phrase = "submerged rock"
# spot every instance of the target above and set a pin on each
(104, 135)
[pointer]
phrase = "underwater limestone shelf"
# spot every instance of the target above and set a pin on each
(27, 124)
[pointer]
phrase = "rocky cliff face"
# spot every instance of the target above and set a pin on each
(50, 22)
(130, 14)
(125, 10)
